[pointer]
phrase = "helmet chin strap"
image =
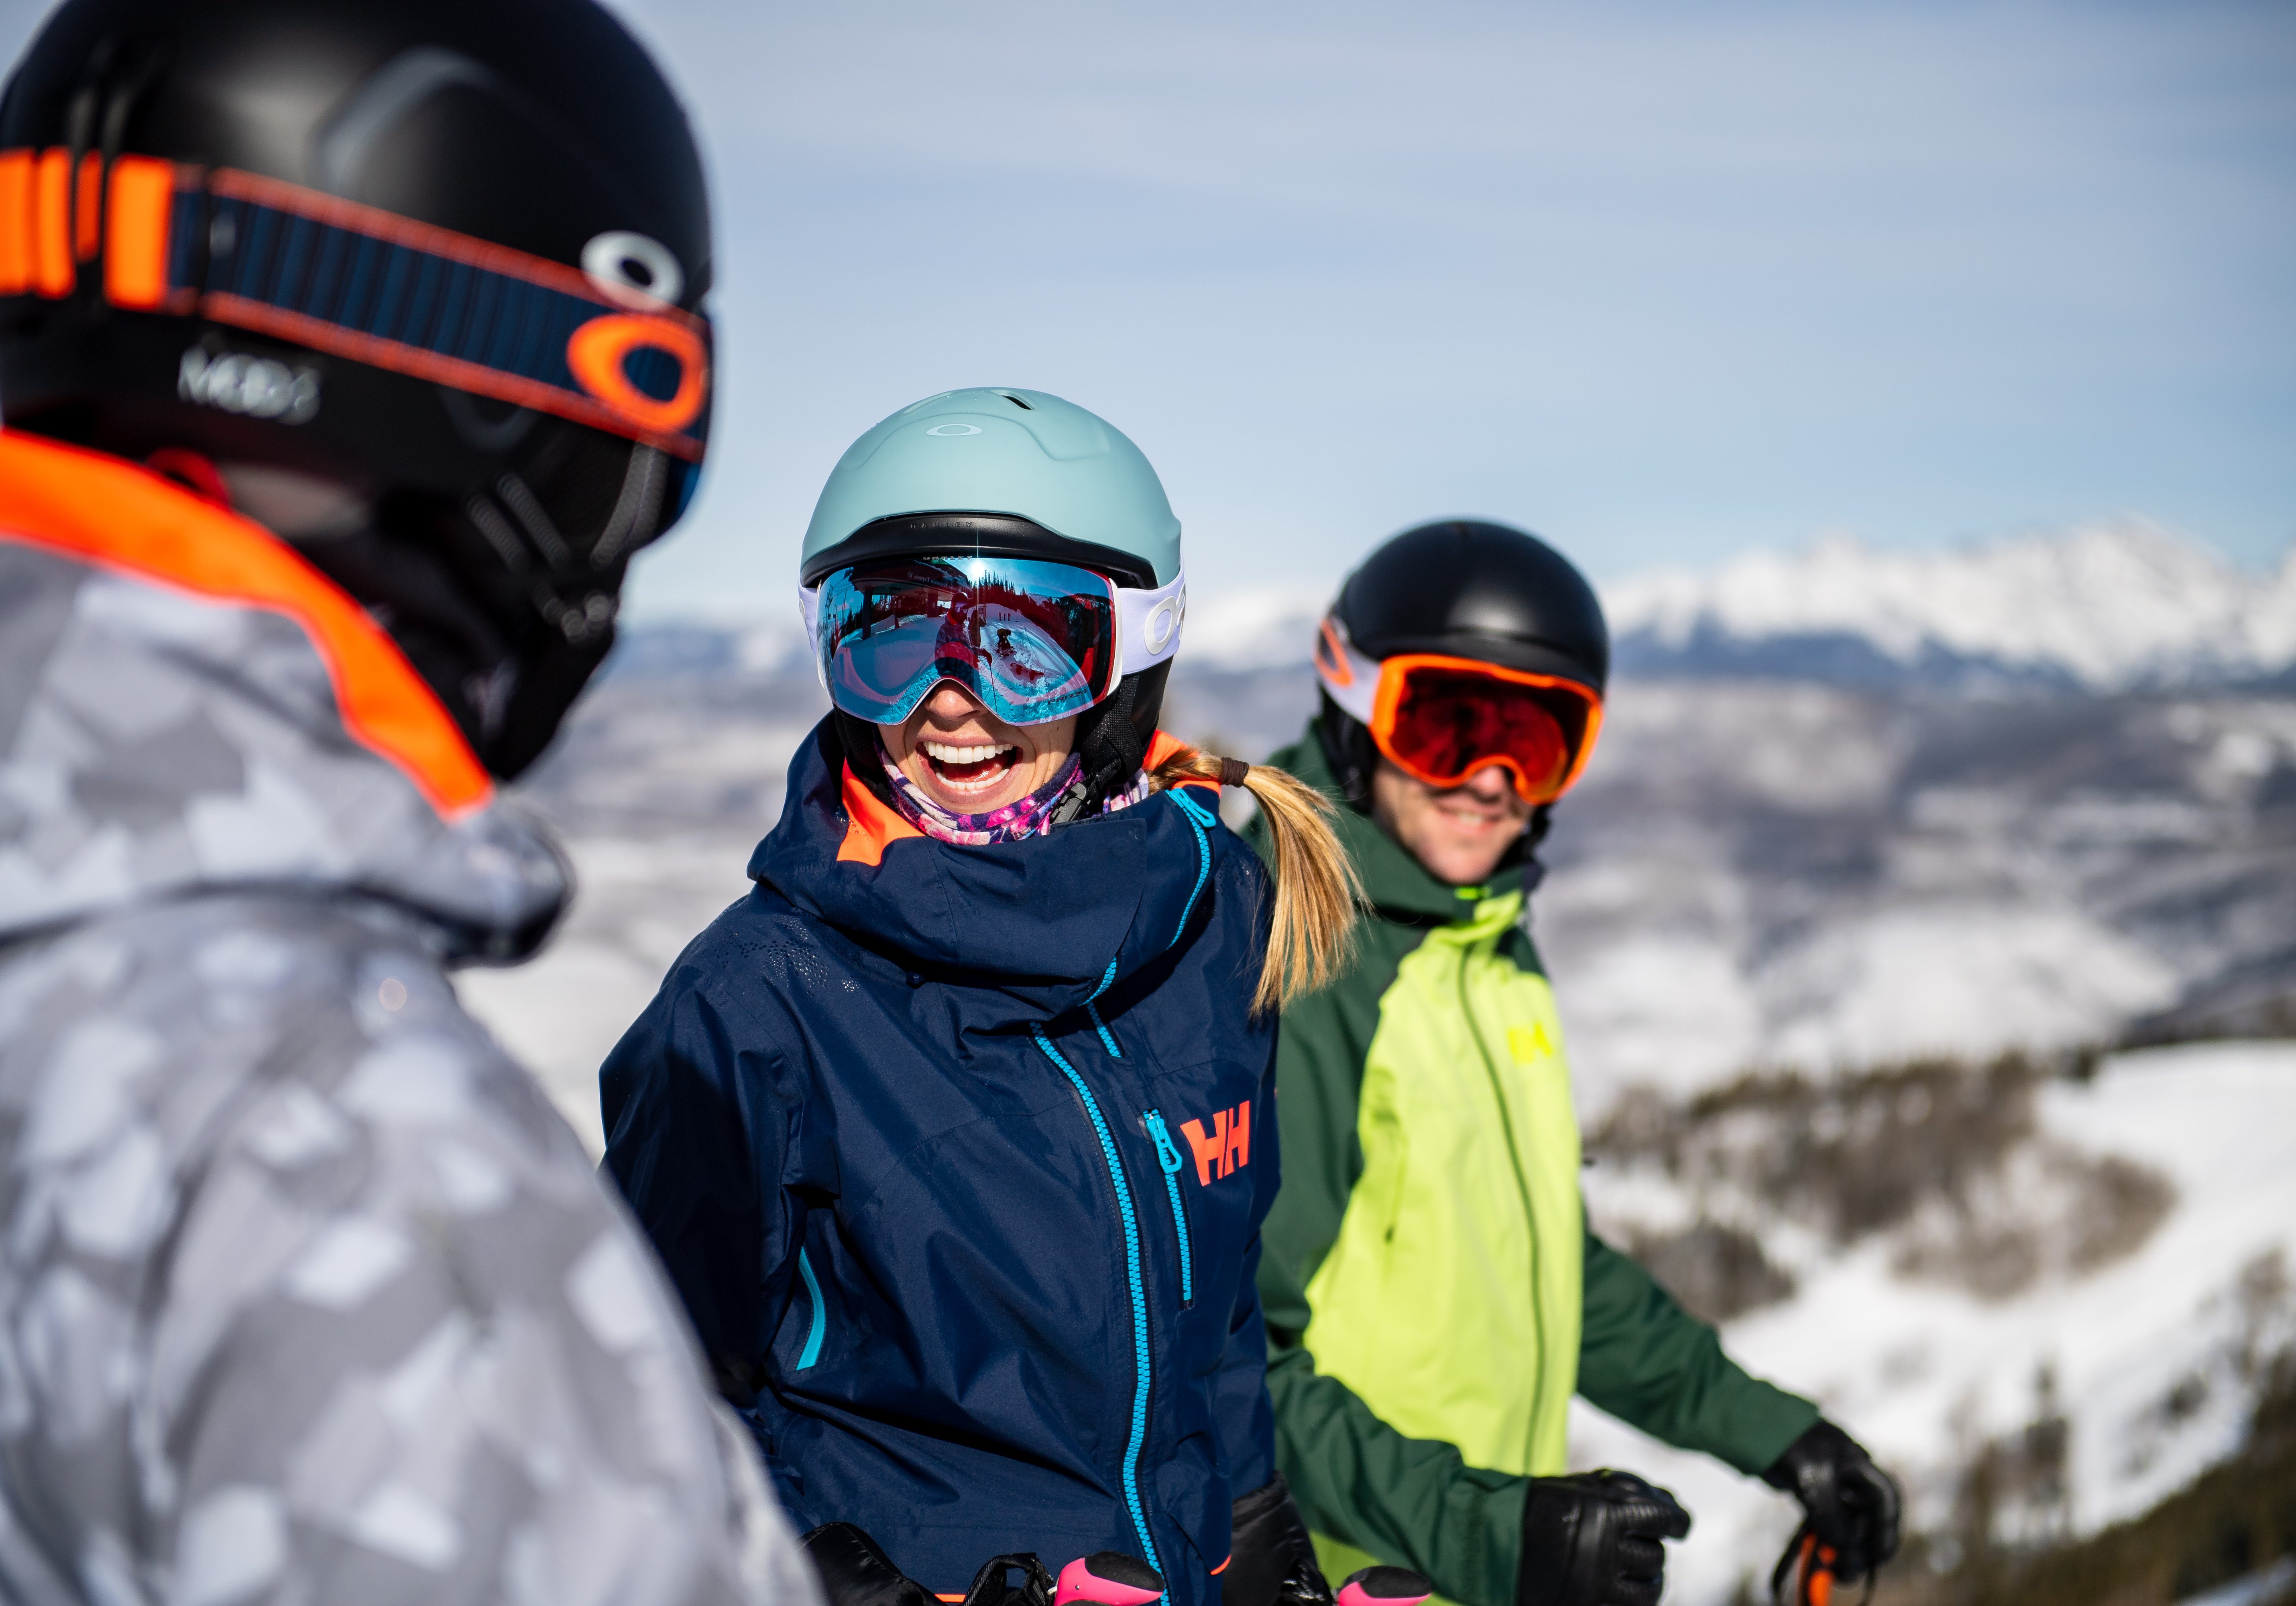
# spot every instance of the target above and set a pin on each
(1112, 741)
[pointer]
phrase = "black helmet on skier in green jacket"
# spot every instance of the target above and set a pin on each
(1425, 1099)
(1459, 642)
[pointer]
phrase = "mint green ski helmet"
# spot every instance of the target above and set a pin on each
(1009, 454)
(1007, 472)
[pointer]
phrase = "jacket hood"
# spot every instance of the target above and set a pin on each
(1397, 884)
(186, 705)
(1048, 922)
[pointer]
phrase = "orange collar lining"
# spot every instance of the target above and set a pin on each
(872, 826)
(106, 511)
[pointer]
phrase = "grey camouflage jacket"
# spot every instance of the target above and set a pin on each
(307, 1294)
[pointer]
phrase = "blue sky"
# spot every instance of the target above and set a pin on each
(1661, 281)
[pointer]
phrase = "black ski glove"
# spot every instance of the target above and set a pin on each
(1271, 1560)
(855, 1571)
(1852, 1504)
(1595, 1539)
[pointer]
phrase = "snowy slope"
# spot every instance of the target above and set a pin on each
(1922, 1372)
(2106, 607)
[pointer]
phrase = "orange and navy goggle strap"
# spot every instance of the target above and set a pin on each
(357, 283)
(1371, 689)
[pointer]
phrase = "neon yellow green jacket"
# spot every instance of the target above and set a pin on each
(1433, 1295)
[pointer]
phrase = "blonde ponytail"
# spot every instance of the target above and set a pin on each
(1316, 891)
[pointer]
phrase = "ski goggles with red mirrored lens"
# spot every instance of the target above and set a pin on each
(1439, 718)
(1033, 640)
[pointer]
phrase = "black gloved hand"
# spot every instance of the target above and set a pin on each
(995, 1584)
(1852, 1504)
(1595, 1539)
(855, 1572)
(1271, 1560)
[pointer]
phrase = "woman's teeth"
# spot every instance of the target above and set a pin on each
(970, 766)
(949, 753)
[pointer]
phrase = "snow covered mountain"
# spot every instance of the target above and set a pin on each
(2114, 607)
(2104, 607)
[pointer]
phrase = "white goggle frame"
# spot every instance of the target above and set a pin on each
(1348, 675)
(1147, 626)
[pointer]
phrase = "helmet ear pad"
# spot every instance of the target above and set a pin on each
(1112, 737)
(1348, 749)
(858, 745)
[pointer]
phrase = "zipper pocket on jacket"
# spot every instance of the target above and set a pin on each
(820, 1327)
(1168, 1155)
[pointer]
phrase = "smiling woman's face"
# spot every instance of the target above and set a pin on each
(967, 760)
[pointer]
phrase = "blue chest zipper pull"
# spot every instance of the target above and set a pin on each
(1168, 1155)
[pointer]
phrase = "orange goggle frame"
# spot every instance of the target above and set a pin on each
(359, 283)
(1544, 738)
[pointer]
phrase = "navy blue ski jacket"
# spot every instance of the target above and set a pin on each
(958, 1156)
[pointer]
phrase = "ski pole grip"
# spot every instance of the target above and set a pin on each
(1109, 1578)
(1385, 1587)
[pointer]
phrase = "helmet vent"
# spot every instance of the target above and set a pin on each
(1016, 401)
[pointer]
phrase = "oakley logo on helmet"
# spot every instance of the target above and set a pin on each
(954, 429)
(255, 387)
(633, 270)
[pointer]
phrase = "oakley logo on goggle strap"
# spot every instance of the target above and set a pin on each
(360, 284)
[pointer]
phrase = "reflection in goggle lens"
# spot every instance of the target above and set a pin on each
(1034, 640)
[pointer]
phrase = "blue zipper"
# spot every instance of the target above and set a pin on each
(820, 1316)
(1198, 817)
(1143, 1377)
(1107, 1037)
(1092, 1008)
(1168, 1155)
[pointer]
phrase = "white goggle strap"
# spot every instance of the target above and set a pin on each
(1347, 675)
(808, 607)
(1148, 625)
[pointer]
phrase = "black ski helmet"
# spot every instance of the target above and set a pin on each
(1466, 588)
(417, 284)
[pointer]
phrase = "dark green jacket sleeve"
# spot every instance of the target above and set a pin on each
(1407, 1500)
(1649, 1362)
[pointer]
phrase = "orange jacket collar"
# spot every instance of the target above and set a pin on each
(873, 824)
(107, 512)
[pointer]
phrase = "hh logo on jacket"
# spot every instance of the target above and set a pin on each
(1220, 1151)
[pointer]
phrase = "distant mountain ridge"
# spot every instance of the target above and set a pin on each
(2113, 606)
(2121, 606)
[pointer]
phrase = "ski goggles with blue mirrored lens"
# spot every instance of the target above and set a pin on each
(1032, 640)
